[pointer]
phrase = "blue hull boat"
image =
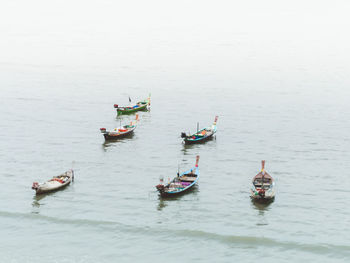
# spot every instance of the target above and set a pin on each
(181, 183)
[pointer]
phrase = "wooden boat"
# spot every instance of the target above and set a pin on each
(139, 106)
(181, 183)
(201, 135)
(120, 132)
(57, 182)
(263, 186)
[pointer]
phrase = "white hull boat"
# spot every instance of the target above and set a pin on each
(57, 182)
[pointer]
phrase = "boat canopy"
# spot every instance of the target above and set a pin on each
(260, 175)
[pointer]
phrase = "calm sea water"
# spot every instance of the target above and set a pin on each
(281, 92)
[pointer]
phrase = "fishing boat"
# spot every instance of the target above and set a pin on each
(181, 183)
(57, 182)
(139, 106)
(263, 186)
(201, 135)
(121, 132)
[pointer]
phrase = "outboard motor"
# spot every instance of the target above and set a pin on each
(35, 186)
(116, 106)
(103, 130)
(262, 193)
(160, 187)
(183, 135)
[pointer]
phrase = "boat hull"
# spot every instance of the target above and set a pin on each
(263, 199)
(109, 137)
(201, 140)
(48, 190)
(179, 193)
(129, 111)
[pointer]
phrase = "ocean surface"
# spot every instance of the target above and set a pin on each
(278, 78)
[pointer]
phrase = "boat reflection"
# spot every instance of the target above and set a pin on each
(187, 147)
(161, 204)
(261, 207)
(165, 201)
(38, 198)
(122, 117)
(113, 142)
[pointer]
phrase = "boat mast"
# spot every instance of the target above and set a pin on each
(197, 160)
(197, 127)
(263, 173)
(214, 123)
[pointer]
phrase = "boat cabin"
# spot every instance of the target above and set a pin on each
(262, 180)
(179, 183)
(188, 177)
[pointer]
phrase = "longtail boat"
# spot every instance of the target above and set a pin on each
(201, 135)
(57, 182)
(139, 106)
(263, 186)
(181, 183)
(120, 132)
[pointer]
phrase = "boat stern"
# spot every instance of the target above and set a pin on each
(160, 188)
(261, 194)
(35, 186)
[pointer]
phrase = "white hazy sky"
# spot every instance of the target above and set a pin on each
(227, 35)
